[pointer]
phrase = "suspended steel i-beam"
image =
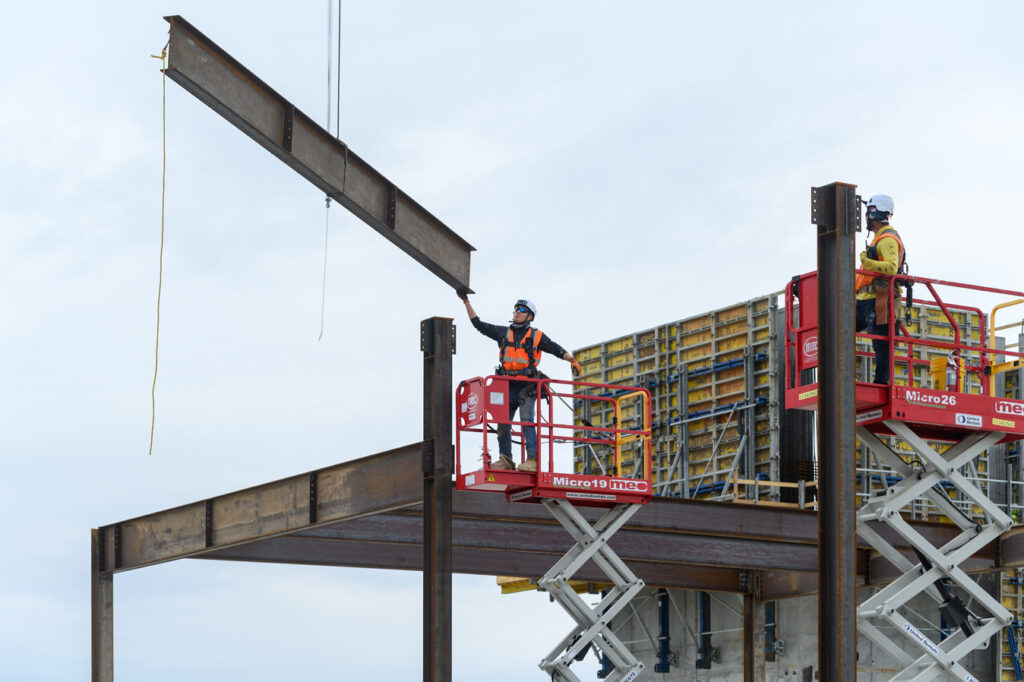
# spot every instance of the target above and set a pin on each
(197, 64)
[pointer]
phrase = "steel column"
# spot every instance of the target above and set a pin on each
(835, 212)
(704, 628)
(664, 664)
(753, 631)
(437, 341)
(102, 615)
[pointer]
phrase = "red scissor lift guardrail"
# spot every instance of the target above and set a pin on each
(938, 414)
(482, 403)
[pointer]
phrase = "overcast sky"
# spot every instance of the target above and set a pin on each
(623, 165)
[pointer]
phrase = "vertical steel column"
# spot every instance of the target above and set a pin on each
(704, 625)
(102, 614)
(753, 631)
(835, 211)
(770, 636)
(437, 341)
(664, 653)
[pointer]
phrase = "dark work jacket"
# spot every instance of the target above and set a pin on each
(498, 332)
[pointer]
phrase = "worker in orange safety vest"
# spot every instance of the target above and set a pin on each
(883, 258)
(520, 347)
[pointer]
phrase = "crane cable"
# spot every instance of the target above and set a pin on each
(337, 110)
(163, 197)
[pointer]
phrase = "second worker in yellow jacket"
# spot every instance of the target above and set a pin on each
(886, 257)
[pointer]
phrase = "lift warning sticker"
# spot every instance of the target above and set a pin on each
(870, 414)
(972, 420)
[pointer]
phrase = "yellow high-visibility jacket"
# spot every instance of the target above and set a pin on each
(891, 255)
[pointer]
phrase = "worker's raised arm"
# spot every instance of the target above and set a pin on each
(469, 306)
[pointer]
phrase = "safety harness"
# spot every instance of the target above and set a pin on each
(861, 281)
(519, 358)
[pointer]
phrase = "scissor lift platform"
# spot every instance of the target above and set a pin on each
(936, 415)
(481, 404)
(920, 415)
(580, 489)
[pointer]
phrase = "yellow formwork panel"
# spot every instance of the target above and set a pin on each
(654, 357)
(618, 345)
(618, 359)
(618, 375)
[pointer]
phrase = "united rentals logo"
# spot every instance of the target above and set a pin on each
(1008, 407)
(972, 420)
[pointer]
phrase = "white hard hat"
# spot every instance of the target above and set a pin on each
(529, 305)
(882, 202)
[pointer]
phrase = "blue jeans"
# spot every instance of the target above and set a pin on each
(521, 396)
(866, 323)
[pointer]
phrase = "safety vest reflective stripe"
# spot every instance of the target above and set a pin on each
(861, 281)
(515, 357)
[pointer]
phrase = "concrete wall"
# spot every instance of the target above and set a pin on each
(796, 627)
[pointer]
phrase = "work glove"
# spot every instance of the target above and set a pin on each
(864, 258)
(577, 368)
(463, 296)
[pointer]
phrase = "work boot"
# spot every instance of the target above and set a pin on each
(504, 463)
(528, 465)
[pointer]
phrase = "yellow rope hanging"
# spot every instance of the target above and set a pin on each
(163, 194)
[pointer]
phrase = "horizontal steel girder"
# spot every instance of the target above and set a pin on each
(366, 513)
(222, 83)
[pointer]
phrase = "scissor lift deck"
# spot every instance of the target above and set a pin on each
(972, 422)
(582, 490)
(483, 401)
(936, 415)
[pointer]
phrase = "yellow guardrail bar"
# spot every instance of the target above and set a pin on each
(1003, 366)
(624, 439)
